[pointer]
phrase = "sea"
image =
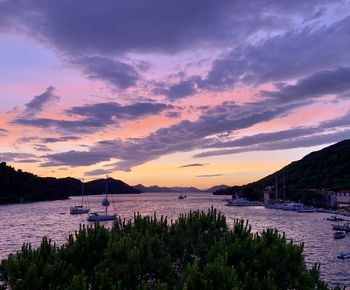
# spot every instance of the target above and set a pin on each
(29, 222)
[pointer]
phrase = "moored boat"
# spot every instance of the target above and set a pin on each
(80, 209)
(306, 210)
(342, 227)
(334, 218)
(99, 217)
(344, 256)
(339, 235)
(291, 206)
(242, 202)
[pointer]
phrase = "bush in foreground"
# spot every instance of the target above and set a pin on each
(197, 251)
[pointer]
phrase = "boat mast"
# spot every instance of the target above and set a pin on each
(276, 189)
(106, 192)
(82, 192)
(284, 186)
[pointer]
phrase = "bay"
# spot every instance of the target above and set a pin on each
(28, 223)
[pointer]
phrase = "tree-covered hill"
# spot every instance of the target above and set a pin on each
(19, 186)
(114, 187)
(328, 168)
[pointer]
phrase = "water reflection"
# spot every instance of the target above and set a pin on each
(28, 223)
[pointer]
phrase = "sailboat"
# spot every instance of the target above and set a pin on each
(98, 217)
(80, 209)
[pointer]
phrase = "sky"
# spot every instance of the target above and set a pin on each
(187, 92)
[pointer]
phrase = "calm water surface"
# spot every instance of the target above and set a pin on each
(28, 223)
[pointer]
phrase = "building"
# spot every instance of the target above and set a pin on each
(343, 197)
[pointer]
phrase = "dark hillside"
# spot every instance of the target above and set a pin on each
(328, 168)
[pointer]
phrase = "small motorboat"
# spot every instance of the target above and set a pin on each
(334, 218)
(306, 210)
(242, 202)
(182, 197)
(339, 235)
(344, 256)
(342, 227)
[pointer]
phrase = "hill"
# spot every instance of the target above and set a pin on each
(156, 188)
(217, 187)
(328, 168)
(153, 188)
(19, 186)
(114, 187)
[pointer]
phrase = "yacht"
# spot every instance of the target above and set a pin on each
(80, 209)
(292, 206)
(242, 202)
(98, 217)
(342, 227)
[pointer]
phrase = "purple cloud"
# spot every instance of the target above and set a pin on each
(184, 136)
(13, 156)
(324, 133)
(117, 73)
(209, 175)
(38, 103)
(95, 117)
(98, 172)
(3, 132)
(322, 83)
(193, 165)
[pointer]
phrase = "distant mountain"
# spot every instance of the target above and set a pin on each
(328, 168)
(156, 188)
(19, 186)
(186, 189)
(153, 188)
(114, 187)
(217, 187)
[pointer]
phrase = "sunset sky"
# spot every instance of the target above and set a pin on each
(185, 92)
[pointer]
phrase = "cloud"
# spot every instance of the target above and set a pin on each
(184, 136)
(326, 132)
(59, 139)
(290, 55)
(320, 52)
(38, 103)
(78, 28)
(305, 141)
(42, 148)
(3, 132)
(209, 175)
(13, 156)
(117, 73)
(98, 172)
(193, 165)
(322, 83)
(27, 161)
(173, 114)
(92, 36)
(95, 117)
(180, 90)
(77, 158)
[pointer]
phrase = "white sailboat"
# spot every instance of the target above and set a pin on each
(98, 217)
(80, 209)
